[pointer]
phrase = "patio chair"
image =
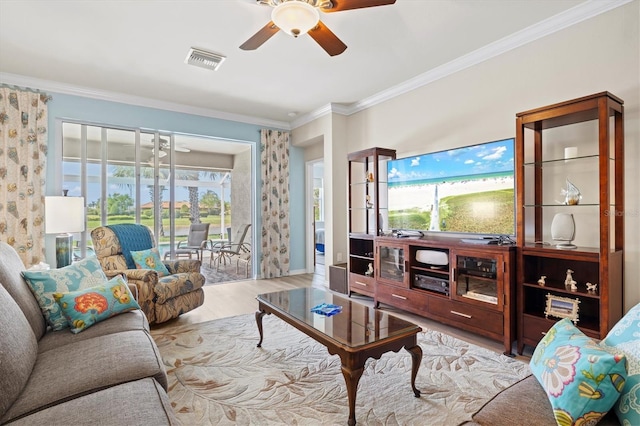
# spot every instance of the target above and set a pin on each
(196, 241)
(223, 251)
(161, 297)
(244, 258)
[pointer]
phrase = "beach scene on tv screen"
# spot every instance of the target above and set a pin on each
(464, 190)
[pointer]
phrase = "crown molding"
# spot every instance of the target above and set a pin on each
(86, 92)
(320, 112)
(575, 15)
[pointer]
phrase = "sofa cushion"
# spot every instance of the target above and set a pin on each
(142, 402)
(507, 406)
(13, 282)
(625, 337)
(84, 308)
(581, 379)
(80, 275)
(524, 403)
(18, 350)
(149, 259)
(128, 321)
(87, 366)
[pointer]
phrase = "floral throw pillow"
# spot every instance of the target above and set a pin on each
(582, 380)
(149, 259)
(625, 337)
(84, 308)
(79, 275)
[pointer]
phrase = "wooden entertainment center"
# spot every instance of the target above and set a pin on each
(493, 289)
(474, 290)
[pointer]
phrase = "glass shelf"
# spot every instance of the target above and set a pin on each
(562, 160)
(562, 205)
(578, 142)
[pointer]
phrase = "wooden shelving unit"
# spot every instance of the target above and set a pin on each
(367, 213)
(590, 129)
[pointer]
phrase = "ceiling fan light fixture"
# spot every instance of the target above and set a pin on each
(295, 17)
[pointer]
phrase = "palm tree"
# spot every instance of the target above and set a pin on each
(147, 173)
(194, 202)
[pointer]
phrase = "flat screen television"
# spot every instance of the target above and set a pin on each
(467, 190)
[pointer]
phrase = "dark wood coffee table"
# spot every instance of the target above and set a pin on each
(355, 334)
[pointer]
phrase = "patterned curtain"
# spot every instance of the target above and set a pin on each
(23, 159)
(274, 154)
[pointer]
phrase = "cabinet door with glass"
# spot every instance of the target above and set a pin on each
(478, 279)
(392, 267)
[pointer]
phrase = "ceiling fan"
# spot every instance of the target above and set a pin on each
(297, 17)
(164, 145)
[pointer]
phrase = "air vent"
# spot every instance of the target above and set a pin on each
(203, 59)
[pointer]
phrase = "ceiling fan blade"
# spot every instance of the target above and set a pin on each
(260, 37)
(339, 5)
(327, 40)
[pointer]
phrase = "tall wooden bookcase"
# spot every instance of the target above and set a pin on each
(581, 143)
(368, 213)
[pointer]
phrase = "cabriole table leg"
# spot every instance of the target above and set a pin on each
(416, 358)
(259, 315)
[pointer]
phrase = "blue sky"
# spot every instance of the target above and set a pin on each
(491, 157)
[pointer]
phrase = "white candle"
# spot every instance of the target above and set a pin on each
(570, 152)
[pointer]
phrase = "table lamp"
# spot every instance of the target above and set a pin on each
(63, 215)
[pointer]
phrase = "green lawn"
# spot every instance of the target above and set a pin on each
(182, 224)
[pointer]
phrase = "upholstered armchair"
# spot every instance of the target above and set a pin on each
(160, 297)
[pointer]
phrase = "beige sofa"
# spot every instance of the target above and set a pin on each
(525, 403)
(111, 373)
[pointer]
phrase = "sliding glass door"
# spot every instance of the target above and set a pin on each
(164, 181)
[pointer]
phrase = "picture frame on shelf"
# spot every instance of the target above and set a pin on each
(562, 307)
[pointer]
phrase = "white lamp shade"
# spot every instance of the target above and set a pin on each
(295, 17)
(63, 214)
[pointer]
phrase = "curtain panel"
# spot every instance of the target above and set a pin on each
(23, 155)
(275, 231)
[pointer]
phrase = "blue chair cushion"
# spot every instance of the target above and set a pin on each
(150, 259)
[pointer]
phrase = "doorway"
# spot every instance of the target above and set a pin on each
(315, 217)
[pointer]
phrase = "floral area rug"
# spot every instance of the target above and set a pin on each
(217, 376)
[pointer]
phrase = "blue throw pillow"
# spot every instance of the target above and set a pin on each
(625, 337)
(84, 308)
(83, 274)
(582, 379)
(149, 259)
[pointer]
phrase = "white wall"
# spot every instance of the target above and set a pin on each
(329, 132)
(479, 104)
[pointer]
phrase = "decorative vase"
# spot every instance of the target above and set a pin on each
(572, 195)
(563, 229)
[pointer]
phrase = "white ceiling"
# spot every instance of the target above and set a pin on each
(135, 49)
